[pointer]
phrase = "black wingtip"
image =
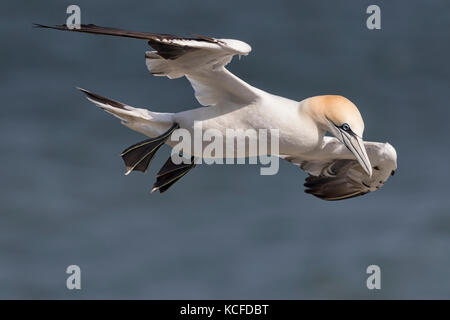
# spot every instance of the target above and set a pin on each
(102, 99)
(86, 92)
(82, 90)
(44, 26)
(39, 25)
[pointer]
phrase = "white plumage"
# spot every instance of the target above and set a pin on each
(339, 167)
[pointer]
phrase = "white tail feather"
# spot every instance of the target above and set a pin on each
(149, 123)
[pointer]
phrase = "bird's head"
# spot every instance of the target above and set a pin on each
(340, 117)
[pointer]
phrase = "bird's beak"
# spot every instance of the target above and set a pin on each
(356, 145)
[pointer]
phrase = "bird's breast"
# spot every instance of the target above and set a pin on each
(300, 136)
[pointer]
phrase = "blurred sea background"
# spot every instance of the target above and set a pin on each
(223, 232)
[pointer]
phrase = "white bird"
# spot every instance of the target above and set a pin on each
(339, 167)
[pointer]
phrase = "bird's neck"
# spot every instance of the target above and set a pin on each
(315, 112)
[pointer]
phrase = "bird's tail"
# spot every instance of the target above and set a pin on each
(158, 126)
(151, 124)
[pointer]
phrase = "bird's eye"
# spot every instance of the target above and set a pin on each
(345, 127)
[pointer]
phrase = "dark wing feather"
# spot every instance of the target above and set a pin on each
(338, 179)
(337, 183)
(92, 28)
(162, 43)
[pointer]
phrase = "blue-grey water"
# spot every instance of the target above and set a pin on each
(222, 231)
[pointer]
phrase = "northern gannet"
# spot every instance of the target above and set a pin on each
(339, 167)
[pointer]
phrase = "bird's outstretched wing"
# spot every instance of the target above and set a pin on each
(201, 59)
(337, 178)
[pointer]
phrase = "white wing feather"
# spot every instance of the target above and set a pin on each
(201, 59)
(203, 63)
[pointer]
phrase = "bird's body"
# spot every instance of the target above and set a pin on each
(339, 167)
(268, 112)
